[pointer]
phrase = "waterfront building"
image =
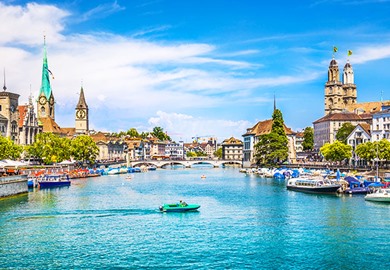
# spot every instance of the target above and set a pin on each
(251, 138)
(82, 115)
(232, 149)
(326, 128)
(299, 141)
(28, 124)
(175, 150)
(110, 148)
(341, 106)
(380, 128)
(9, 114)
(360, 134)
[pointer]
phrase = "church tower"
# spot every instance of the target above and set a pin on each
(349, 86)
(45, 104)
(334, 93)
(81, 116)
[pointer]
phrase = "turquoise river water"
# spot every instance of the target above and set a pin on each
(245, 222)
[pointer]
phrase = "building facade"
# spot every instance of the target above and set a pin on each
(232, 149)
(339, 94)
(251, 138)
(380, 128)
(28, 124)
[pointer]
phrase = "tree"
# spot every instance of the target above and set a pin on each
(191, 154)
(218, 153)
(272, 148)
(308, 138)
(50, 148)
(84, 149)
(344, 131)
(159, 133)
(336, 151)
(370, 151)
(132, 132)
(8, 149)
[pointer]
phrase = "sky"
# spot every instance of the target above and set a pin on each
(194, 67)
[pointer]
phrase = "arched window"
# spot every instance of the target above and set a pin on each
(43, 111)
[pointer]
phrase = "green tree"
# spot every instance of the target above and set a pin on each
(84, 149)
(370, 151)
(191, 154)
(308, 138)
(218, 153)
(344, 131)
(272, 148)
(336, 151)
(50, 148)
(159, 133)
(8, 149)
(132, 132)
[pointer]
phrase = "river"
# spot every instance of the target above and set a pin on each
(245, 222)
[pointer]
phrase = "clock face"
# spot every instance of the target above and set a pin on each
(42, 100)
(80, 114)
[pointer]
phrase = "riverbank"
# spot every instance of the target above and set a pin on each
(13, 185)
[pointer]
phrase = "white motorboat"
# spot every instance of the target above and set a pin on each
(380, 195)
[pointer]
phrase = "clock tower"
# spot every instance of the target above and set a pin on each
(81, 114)
(46, 102)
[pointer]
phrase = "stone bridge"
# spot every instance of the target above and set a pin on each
(185, 163)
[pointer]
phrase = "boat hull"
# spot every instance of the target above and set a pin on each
(317, 190)
(49, 184)
(179, 208)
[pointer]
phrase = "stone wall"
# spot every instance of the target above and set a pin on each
(13, 185)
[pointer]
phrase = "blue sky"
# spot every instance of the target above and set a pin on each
(194, 67)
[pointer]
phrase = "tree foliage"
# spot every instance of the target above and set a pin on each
(308, 138)
(218, 153)
(344, 131)
(50, 148)
(8, 149)
(159, 133)
(84, 149)
(132, 132)
(273, 147)
(336, 151)
(370, 151)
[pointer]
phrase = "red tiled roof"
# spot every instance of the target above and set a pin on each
(265, 127)
(343, 116)
(22, 114)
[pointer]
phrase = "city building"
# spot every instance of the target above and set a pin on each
(232, 149)
(251, 138)
(175, 150)
(341, 106)
(9, 114)
(380, 128)
(360, 134)
(28, 124)
(326, 128)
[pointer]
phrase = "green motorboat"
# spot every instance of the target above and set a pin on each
(179, 207)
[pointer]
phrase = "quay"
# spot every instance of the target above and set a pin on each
(13, 185)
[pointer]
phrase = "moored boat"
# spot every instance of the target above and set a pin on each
(380, 195)
(54, 180)
(310, 185)
(179, 207)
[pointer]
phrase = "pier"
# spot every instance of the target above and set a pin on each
(12, 185)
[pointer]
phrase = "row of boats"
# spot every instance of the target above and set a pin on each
(329, 182)
(44, 179)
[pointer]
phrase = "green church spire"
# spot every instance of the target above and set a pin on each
(45, 86)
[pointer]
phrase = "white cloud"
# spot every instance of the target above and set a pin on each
(125, 78)
(371, 53)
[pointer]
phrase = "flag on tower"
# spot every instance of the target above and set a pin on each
(349, 52)
(335, 49)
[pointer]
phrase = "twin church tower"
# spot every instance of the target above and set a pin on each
(46, 104)
(339, 95)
